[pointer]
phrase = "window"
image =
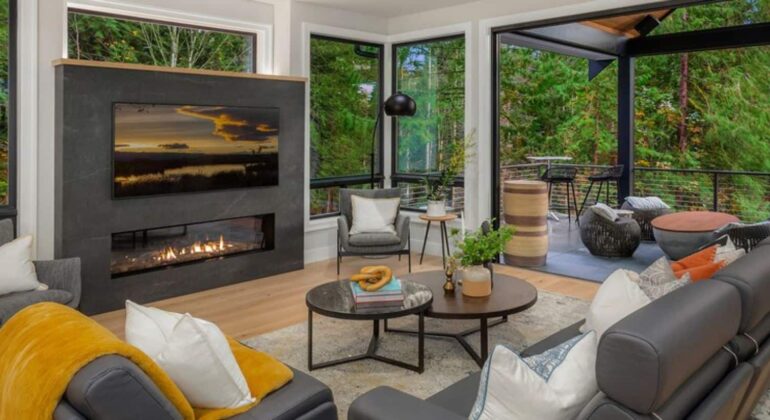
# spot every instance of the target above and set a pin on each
(432, 72)
(109, 38)
(7, 91)
(345, 96)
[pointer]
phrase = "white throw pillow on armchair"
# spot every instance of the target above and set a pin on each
(193, 352)
(17, 272)
(374, 215)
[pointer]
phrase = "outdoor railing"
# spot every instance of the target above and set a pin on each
(744, 194)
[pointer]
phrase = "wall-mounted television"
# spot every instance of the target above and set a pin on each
(168, 149)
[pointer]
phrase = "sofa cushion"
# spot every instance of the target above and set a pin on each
(14, 302)
(112, 387)
(460, 396)
(374, 239)
(302, 395)
(664, 344)
(751, 276)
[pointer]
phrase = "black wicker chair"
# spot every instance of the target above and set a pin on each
(644, 217)
(745, 236)
(605, 238)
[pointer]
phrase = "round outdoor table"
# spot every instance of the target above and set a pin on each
(442, 220)
(509, 296)
(681, 234)
(335, 300)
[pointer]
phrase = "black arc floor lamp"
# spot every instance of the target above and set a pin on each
(398, 105)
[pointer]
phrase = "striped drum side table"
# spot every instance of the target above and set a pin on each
(526, 209)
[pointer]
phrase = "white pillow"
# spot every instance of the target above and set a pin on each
(374, 215)
(605, 211)
(728, 252)
(554, 385)
(616, 298)
(17, 272)
(194, 353)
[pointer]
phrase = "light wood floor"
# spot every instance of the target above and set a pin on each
(259, 306)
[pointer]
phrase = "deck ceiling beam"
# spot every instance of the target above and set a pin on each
(750, 35)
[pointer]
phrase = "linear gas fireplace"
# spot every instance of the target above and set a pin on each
(145, 250)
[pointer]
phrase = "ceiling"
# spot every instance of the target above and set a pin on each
(388, 8)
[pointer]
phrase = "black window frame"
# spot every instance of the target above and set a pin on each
(402, 177)
(354, 180)
(10, 210)
(254, 37)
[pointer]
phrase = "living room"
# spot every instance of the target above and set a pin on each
(323, 209)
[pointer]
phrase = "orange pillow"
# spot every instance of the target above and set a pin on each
(697, 259)
(703, 272)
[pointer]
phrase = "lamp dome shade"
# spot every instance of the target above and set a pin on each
(400, 105)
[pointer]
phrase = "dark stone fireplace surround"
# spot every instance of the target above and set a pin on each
(87, 216)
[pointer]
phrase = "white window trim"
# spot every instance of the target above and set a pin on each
(263, 32)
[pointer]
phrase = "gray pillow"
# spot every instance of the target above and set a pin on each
(647, 203)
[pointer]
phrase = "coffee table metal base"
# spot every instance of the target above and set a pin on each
(483, 329)
(371, 352)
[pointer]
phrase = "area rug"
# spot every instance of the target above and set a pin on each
(445, 361)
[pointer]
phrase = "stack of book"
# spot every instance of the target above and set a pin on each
(388, 296)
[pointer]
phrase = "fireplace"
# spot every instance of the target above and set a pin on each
(159, 248)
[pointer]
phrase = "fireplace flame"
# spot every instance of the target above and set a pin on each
(211, 248)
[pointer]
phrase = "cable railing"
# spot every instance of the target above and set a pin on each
(742, 193)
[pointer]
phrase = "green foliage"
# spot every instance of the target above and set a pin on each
(433, 74)
(479, 248)
(548, 107)
(344, 100)
(451, 162)
(103, 38)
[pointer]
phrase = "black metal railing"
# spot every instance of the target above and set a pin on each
(742, 193)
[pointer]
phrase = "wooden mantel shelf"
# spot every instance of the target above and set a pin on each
(199, 72)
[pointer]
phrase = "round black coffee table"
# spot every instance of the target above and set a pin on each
(335, 300)
(509, 296)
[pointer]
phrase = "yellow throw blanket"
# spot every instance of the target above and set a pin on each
(44, 345)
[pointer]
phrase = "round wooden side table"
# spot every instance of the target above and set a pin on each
(681, 234)
(442, 220)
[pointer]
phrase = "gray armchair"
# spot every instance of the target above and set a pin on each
(362, 244)
(61, 276)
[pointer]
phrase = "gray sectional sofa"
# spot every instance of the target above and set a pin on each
(61, 276)
(700, 352)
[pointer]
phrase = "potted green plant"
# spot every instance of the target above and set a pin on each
(476, 251)
(451, 163)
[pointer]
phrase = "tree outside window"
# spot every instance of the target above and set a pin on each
(113, 39)
(345, 95)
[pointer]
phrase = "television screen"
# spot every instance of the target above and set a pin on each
(167, 149)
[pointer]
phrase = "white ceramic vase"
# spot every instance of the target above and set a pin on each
(436, 208)
(477, 281)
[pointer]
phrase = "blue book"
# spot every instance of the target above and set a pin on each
(392, 288)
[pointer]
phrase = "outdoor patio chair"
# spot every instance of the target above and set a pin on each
(604, 178)
(556, 175)
(645, 216)
(745, 236)
(606, 238)
(371, 244)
